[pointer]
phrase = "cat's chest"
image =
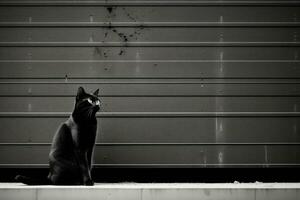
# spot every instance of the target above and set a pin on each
(86, 134)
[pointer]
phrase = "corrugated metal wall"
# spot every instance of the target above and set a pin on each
(183, 83)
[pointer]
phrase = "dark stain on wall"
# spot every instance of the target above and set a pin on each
(124, 37)
(109, 9)
(129, 15)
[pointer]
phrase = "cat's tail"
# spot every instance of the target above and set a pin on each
(32, 181)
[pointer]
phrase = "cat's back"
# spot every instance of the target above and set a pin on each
(62, 144)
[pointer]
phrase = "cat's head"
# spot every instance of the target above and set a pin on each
(86, 105)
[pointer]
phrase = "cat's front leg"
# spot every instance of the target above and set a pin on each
(83, 164)
(88, 182)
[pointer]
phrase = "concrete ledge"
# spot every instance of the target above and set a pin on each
(137, 191)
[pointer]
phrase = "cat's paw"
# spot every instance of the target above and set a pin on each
(89, 182)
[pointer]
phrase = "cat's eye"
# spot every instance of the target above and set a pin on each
(90, 101)
(97, 102)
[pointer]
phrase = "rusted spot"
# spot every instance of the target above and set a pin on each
(105, 54)
(121, 52)
(109, 9)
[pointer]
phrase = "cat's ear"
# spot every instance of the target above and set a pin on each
(80, 93)
(96, 92)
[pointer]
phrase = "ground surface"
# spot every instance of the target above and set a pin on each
(235, 185)
(154, 191)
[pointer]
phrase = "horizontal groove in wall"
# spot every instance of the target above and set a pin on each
(150, 61)
(149, 24)
(151, 114)
(20, 79)
(155, 144)
(148, 44)
(171, 95)
(149, 3)
(170, 81)
(162, 165)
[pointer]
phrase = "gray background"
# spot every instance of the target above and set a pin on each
(183, 83)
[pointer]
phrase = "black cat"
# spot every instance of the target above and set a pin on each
(70, 158)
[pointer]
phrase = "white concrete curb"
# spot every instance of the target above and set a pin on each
(151, 191)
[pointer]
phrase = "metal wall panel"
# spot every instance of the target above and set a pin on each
(17, 35)
(178, 88)
(148, 53)
(154, 104)
(183, 83)
(161, 129)
(150, 69)
(166, 14)
(165, 155)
